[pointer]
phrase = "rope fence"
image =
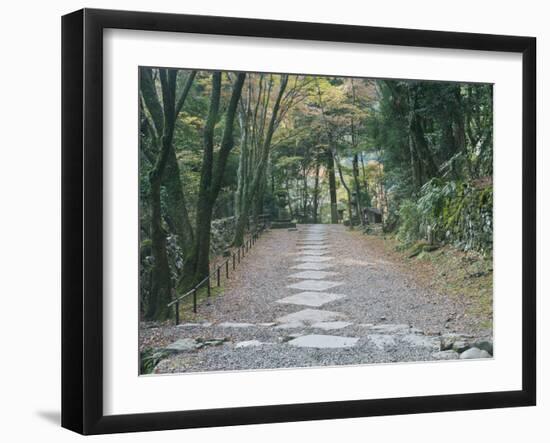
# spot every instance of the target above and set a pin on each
(216, 274)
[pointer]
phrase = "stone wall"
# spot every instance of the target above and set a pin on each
(223, 230)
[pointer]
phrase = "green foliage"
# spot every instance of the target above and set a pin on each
(149, 358)
(448, 211)
(421, 152)
(436, 145)
(410, 223)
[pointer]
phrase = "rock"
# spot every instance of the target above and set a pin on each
(381, 340)
(314, 285)
(222, 230)
(195, 325)
(248, 344)
(421, 341)
(228, 324)
(391, 329)
(330, 325)
(474, 353)
(182, 345)
(291, 325)
(448, 340)
(289, 337)
(310, 298)
(313, 266)
(214, 341)
(323, 341)
(313, 275)
(309, 316)
(313, 258)
(461, 346)
(445, 355)
(485, 345)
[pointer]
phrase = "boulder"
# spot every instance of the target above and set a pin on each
(448, 340)
(182, 345)
(486, 345)
(474, 353)
(445, 355)
(461, 346)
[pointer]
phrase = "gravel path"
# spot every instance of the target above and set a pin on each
(346, 306)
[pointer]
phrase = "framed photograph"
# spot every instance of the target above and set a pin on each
(269, 221)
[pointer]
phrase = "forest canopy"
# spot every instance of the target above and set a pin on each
(221, 151)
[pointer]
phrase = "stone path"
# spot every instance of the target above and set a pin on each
(314, 297)
(315, 280)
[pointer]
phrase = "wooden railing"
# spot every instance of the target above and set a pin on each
(231, 263)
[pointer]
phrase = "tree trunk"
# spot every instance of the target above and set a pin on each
(176, 207)
(212, 175)
(161, 288)
(365, 181)
(259, 172)
(359, 209)
(305, 198)
(347, 190)
(165, 171)
(316, 192)
(332, 187)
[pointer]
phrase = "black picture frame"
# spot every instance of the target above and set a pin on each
(82, 218)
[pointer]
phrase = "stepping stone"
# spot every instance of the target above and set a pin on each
(313, 238)
(182, 345)
(313, 266)
(323, 341)
(290, 337)
(474, 353)
(248, 344)
(315, 299)
(309, 316)
(315, 275)
(210, 342)
(314, 258)
(382, 341)
(391, 329)
(312, 248)
(293, 325)
(195, 325)
(445, 355)
(421, 341)
(330, 325)
(235, 325)
(314, 285)
(312, 252)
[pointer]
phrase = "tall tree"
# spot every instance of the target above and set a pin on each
(263, 139)
(164, 118)
(212, 172)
